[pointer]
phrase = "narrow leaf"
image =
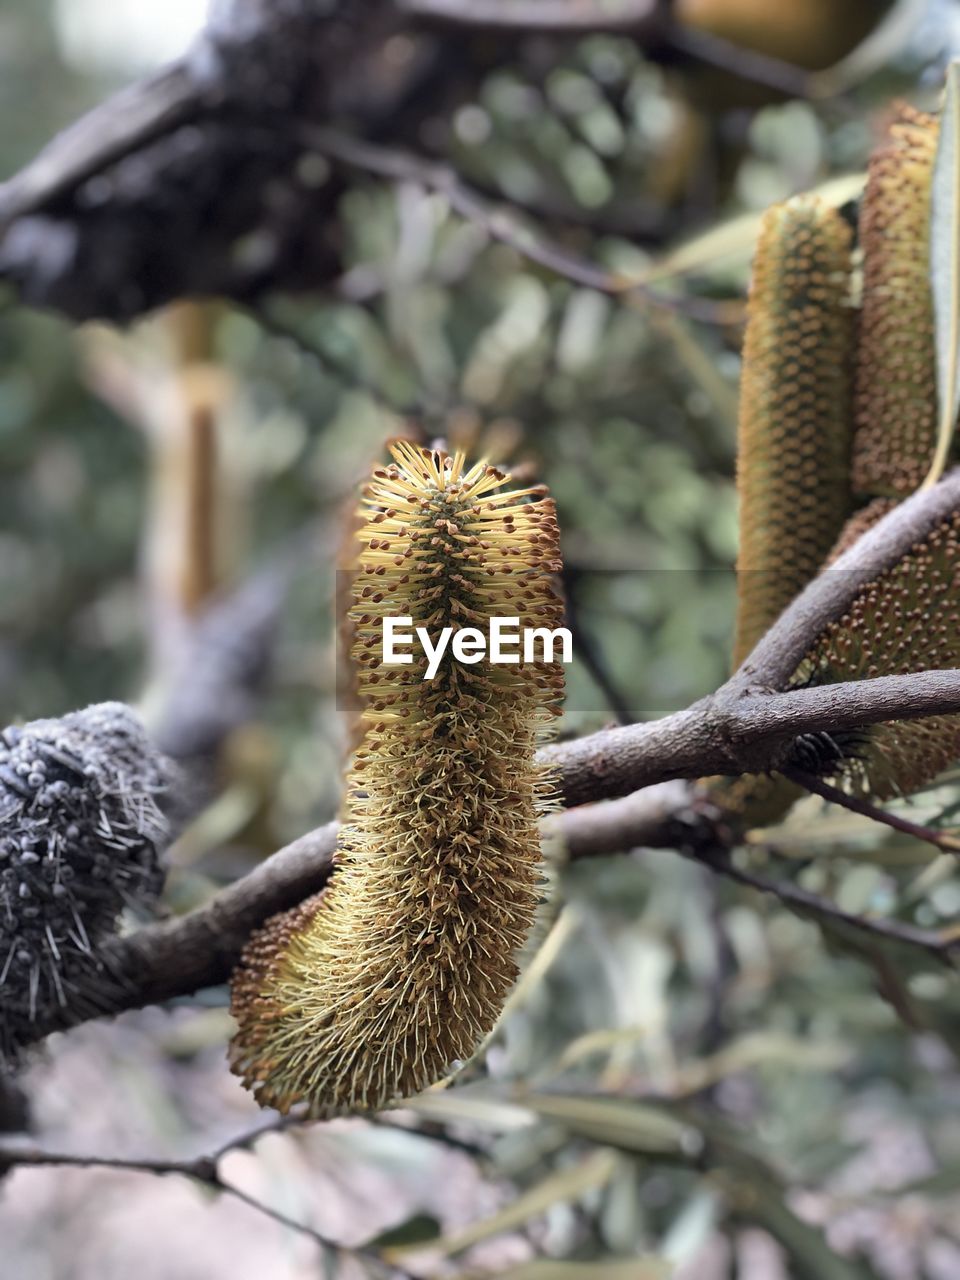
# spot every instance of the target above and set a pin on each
(876, 51)
(736, 238)
(640, 1128)
(623, 1269)
(565, 1184)
(462, 1107)
(945, 270)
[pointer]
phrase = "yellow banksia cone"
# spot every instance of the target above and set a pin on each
(795, 410)
(375, 989)
(895, 393)
(908, 619)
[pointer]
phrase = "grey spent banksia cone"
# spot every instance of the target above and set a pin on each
(81, 833)
(375, 989)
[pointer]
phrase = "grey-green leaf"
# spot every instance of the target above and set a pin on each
(945, 269)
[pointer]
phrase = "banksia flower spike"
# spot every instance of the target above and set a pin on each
(795, 410)
(895, 398)
(374, 990)
(907, 619)
(793, 439)
(81, 830)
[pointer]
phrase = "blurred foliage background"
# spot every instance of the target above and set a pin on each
(788, 1090)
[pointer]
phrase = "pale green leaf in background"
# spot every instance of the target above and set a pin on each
(566, 1184)
(629, 1126)
(945, 270)
(622, 1269)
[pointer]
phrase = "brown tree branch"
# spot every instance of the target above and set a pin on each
(833, 795)
(777, 656)
(748, 724)
(199, 950)
(133, 118)
(749, 733)
(743, 728)
(159, 192)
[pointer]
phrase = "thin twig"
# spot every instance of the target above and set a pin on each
(245, 1140)
(812, 905)
(590, 655)
(748, 64)
(276, 327)
(502, 222)
(202, 1169)
(430, 1131)
(940, 839)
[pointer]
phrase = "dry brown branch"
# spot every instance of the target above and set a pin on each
(747, 726)
(148, 197)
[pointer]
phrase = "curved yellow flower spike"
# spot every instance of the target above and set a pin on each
(375, 989)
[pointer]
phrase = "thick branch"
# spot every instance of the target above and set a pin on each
(745, 734)
(187, 182)
(199, 950)
(740, 729)
(184, 955)
(827, 598)
(132, 119)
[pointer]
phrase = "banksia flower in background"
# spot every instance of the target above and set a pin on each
(81, 830)
(794, 437)
(795, 410)
(792, 473)
(907, 619)
(376, 989)
(895, 400)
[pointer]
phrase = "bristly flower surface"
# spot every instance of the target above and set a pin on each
(794, 433)
(81, 831)
(795, 422)
(400, 969)
(906, 619)
(895, 396)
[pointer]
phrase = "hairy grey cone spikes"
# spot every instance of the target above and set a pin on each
(81, 832)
